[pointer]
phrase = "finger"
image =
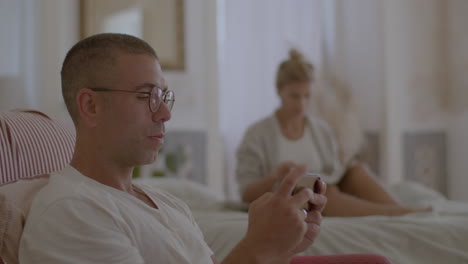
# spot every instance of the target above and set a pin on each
(320, 187)
(290, 180)
(302, 197)
(314, 217)
(285, 167)
(303, 213)
(318, 202)
(312, 231)
(264, 198)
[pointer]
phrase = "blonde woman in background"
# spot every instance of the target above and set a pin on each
(290, 137)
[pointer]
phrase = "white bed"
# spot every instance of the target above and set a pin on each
(438, 237)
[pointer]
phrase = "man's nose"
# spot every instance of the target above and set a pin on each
(163, 114)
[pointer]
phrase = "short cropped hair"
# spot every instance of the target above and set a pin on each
(90, 62)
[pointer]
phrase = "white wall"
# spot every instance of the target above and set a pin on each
(458, 86)
(46, 30)
(413, 57)
(354, 55)
(18, 21)
(457, 48)
(58, 31)
(10, 11)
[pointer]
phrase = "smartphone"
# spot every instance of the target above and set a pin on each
(309, 180)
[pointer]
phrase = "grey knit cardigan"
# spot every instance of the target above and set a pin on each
(257, 154)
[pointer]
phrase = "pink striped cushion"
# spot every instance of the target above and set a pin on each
(15, 202)
(31, 143)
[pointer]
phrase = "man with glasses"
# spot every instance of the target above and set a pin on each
(91, 212)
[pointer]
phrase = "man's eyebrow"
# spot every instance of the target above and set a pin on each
(151, 86)
(145, 85)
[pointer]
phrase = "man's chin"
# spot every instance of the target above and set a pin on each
(149, 159)
(153, 158)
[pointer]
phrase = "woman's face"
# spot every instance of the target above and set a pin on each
(295, 97)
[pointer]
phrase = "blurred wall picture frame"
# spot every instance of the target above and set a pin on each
(159, 22)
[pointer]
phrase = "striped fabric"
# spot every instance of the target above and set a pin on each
(15, 202)
(31, 143)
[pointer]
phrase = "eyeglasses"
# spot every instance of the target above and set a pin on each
(156, 96)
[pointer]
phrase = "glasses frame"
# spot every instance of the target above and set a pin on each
(160, 96)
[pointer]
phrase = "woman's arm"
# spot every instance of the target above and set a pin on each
(267, 183)
(259, 187)
(250, 171)
(254, 173)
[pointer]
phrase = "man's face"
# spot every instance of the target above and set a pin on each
(295, 97)
(130, 132)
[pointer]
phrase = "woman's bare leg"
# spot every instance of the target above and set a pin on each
(360, 194)
(342, 204)
(359, 181)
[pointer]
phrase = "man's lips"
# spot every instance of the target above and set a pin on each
(157, 136)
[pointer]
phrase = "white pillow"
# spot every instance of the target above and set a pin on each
(414, 193)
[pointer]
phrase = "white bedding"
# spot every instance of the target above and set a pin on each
(439, 237)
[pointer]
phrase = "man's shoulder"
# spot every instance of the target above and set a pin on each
(61, 189)
(49, 195)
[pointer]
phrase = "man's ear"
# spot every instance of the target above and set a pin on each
(86, 101)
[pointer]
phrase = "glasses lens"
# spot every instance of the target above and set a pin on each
(155, 99)
(168, 99)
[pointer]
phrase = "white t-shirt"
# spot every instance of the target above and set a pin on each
(75, 219)
(300, 151)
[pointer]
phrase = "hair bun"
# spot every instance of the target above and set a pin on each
(294, 54)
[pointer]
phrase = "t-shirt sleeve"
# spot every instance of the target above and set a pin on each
(92, 235)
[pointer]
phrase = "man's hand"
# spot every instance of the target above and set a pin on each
(314, 218)
(278, 227)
